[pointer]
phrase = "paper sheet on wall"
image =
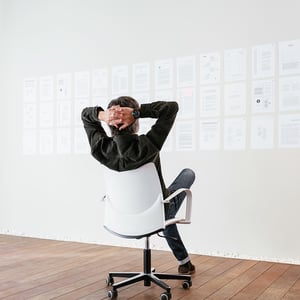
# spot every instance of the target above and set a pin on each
(289, 57)
(29, 142)
(164, 95)
(187, 102)
(141, 98)
(100, 82)
(46, 141)
(63, 141)
(234, 134)
(29, 90)
(209, 134)
(81, 145)
(163, 70)
(141, 77)
(185, 135)
(185, 71)
(29, 115)
(100, 101)
(262, 132)
(46, 88)
(82, 84)
(289, 131)
(210, 68)
(119, 80)
(79, 105)
(263, 61)
(64, 86)
(46, 114)
(63, 113)
(289, 93)
(235, 99)
(263, 96)
(210, 101)
(235, 64)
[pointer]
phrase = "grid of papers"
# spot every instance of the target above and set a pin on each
(231, 100)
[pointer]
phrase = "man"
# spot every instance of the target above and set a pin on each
(125, 150)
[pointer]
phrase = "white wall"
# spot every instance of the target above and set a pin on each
(246, 203)
(1, 44)
(2, 105)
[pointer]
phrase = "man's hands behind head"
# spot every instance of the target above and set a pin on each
(117, 116)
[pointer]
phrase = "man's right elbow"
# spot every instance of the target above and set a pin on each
(84, 113)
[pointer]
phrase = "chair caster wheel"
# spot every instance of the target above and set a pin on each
(165, 296)
(187, 284)
(109, 281)
(112, 294)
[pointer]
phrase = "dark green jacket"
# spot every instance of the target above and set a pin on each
(125, 152)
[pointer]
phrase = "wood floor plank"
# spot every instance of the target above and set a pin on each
(222, 279)
(262, 282)
(294, 291)
(233, 287)
(282, 285)
(85, 290)
(83, 279)
(42, 274)
(40, 269)
(78, 271)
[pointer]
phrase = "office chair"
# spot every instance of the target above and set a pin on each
(134, 209)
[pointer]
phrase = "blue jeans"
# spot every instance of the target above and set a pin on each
(185, 179)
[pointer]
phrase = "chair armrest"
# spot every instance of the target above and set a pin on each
(188, 207)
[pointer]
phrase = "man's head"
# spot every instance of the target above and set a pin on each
(125, 101)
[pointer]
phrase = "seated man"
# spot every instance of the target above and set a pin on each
(126, 150)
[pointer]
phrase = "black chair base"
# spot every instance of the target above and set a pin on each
(148, 276)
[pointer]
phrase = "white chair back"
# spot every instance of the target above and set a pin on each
(134, 205)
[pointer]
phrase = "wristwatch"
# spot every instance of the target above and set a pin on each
(136, 113)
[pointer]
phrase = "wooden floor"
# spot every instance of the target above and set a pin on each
(45, 269)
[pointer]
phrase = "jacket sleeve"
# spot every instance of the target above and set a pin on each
(165, 113)
(92, 125)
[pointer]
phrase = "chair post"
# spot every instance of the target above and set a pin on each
(147, 262)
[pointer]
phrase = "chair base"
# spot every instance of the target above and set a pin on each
(148, 276)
